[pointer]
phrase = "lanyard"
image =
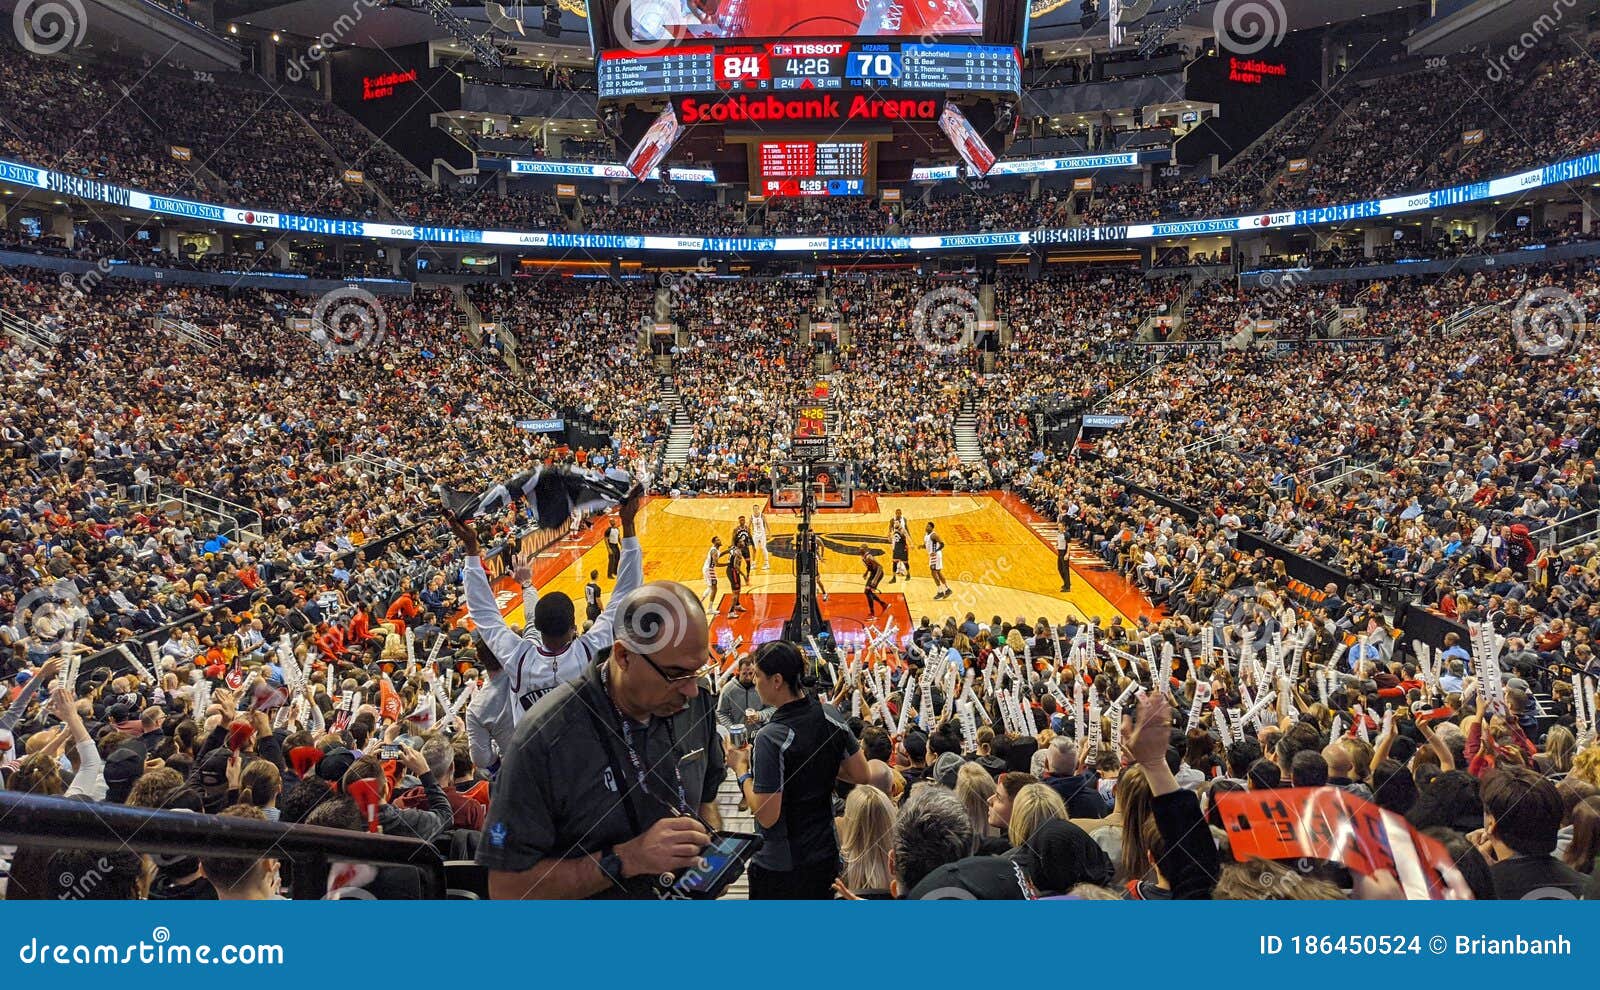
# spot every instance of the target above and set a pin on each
(682, 807)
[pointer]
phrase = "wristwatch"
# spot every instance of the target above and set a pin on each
(744, 777)
(611, 865)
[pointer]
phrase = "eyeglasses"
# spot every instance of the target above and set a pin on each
(676, 678)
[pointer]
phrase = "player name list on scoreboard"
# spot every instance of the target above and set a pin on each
(980, 67)
(680, 70)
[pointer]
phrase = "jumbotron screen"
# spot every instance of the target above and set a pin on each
(813, 168)
(683, 20)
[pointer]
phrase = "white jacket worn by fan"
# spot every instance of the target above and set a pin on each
(529, 670)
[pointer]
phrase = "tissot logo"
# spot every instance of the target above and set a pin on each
(776, 109)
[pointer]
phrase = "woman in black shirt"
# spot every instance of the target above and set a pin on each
(787, 777)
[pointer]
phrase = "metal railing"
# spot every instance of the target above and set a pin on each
(410, 477)
(62, 823)
(1454, 324)
(192, 333)
(1333, 464)
(1335, 480)
(1201, 446)
(26, 331)
(240, 520)
(1565, 533)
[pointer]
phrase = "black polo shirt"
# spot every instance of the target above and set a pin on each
(564, 791)
(799, 752)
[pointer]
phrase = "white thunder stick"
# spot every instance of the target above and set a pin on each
(1202, 694)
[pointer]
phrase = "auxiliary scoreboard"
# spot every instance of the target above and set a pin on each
(812, 168)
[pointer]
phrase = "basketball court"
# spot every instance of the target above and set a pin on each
(999, 559)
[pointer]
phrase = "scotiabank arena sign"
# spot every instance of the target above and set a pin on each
(803, 108)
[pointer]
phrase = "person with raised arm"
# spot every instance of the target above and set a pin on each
(550, 651)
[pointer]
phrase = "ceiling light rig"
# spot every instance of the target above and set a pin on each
(460, 29)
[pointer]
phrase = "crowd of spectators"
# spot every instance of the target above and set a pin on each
(1364, 137)
(643, 213)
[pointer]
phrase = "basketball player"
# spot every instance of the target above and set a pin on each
(758, 533)
(873, 576)
(591, 597)
(745, 544)
(900, 538)
(738, 567)
(576, 529)
(935, 548)
(713, 560)
(818, 551)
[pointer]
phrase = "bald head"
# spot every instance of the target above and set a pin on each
(661, 645)
(1340, 762)
(661, 615)
(879, 775)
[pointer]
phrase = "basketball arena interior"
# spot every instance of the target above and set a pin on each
(864, 450)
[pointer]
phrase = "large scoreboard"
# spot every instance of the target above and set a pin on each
(803, 65)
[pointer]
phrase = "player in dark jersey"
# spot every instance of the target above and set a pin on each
(745, 544)
(591, 597)
(737, 565)
(900, 539)
(873, 576)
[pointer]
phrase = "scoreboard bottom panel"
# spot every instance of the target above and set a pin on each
(783, 188)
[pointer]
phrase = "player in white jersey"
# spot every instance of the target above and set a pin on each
(935, 548)
(758, 533)
(550, 650)
(709, 572)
